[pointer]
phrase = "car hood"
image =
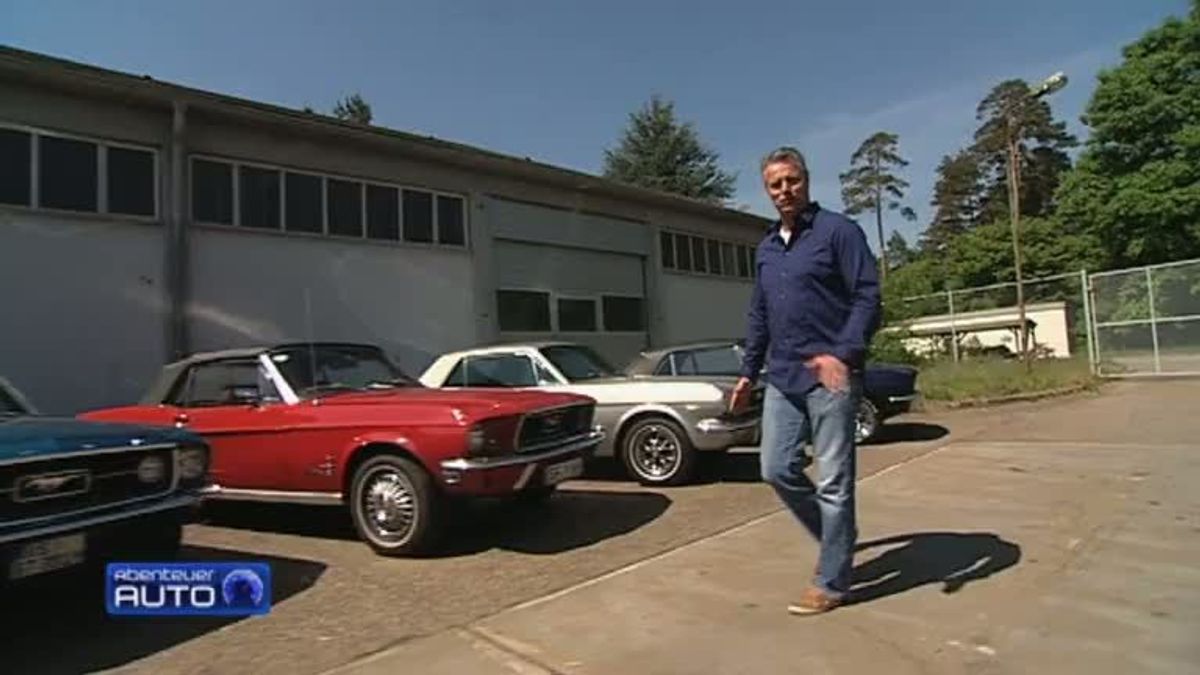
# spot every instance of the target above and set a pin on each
(32, 436)
(633, 390)
(475, 402)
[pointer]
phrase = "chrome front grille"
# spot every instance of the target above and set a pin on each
(547, 427)
(40, 489)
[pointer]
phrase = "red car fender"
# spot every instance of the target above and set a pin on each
(402, 443)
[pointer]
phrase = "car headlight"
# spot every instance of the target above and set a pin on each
(151, 469)
(192, 463)
(491, 437)
(476, 440)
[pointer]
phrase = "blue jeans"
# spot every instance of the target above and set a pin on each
(827, 508)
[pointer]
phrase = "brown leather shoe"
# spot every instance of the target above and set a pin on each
(813, 601)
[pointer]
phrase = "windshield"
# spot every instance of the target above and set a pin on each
(577, 362)
(311, 369)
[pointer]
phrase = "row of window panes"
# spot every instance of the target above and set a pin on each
(689, 253)
(55, 172)
(529, 312)
(229, 193)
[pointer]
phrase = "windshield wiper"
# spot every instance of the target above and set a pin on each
(330, 387)
(391, 383)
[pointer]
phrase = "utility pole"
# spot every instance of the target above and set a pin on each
(1013, 136)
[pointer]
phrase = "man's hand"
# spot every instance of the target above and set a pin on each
(740, 395)
(831, 372)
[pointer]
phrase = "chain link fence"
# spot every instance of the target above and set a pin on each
(983, 320)
(1147, 319)
(1136, 321)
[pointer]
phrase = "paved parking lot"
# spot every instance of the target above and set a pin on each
(336, 601)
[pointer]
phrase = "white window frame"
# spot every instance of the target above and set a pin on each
(530, 289)
(102, 146)
(362, 208)
(463, 200)
(237, 196)
(645, 312)
(283, 215)
(597, 313)
(399, 204)
(555, 324)
(726, 273)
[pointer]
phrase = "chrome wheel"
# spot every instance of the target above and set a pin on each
(655, 452)
(866, 421)
(389, 505)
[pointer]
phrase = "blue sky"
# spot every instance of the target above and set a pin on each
(554, 80)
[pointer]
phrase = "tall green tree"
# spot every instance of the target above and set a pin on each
(1137, 183)
(660, 152)
(957, 199)
(899, 253)
(353, 108)
(1010, 109)
(984, 255)
(871, 184)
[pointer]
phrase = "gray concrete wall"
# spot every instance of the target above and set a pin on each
(83, 309)
(699, 308)
(250, 288)
(106, 119)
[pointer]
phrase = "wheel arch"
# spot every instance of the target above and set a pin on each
(641, 412)
(367, 449)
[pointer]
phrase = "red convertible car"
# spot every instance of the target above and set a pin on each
(339, 424)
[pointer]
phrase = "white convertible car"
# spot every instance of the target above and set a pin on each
(657, 426)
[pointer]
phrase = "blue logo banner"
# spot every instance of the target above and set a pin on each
(187, 588)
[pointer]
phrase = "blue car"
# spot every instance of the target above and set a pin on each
(888, 390)
(75, 493)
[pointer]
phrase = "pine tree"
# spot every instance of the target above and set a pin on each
(872, 185)
(659, 152)
(957, 199)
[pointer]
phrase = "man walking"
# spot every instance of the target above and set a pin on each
(813, 311)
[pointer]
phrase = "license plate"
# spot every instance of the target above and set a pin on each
(48, 555)
(557, 473)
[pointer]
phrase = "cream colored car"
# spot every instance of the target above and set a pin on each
(656, 426)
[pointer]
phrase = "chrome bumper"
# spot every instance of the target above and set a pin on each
(716, 425)
(451, 468)
(170, 504)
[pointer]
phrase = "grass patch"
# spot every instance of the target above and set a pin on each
(980, 379)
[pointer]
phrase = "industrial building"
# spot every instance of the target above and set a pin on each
(141, 221)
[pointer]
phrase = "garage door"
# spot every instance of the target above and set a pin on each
(553, 292)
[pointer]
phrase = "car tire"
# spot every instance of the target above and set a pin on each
(866, 422)
(395, 506)
(657, 451)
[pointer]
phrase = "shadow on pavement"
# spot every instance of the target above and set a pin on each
(740, 466)
(58, 624)
(569, 519)
(952, 559)
(907, 432)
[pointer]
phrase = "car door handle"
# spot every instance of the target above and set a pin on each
(181, 419)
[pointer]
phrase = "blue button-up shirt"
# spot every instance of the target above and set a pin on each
(817, 293)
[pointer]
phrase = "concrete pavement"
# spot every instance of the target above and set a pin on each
(1067, 544)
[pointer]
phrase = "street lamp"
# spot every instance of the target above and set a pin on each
(1048, 86)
